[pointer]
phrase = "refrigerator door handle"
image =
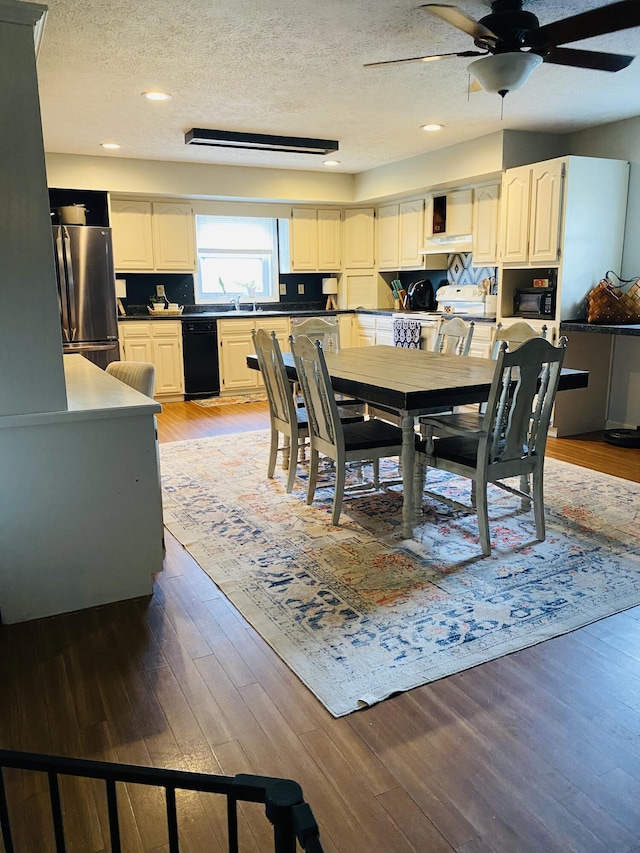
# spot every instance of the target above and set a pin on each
(63, 295)
(73, 320)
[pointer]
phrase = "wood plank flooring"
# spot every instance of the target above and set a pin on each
(536, 751)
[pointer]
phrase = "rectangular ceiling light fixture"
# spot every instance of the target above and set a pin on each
(259, 141)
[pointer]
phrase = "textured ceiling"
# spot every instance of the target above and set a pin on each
(295, 67)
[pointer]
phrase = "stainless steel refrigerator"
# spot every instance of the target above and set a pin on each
(86, 291)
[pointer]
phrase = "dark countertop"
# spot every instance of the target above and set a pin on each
(232, 315)
(630, 330)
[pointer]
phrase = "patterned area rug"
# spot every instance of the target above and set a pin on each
(357, 613)
(209, 402)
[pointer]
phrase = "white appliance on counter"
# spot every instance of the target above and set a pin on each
(470, 299)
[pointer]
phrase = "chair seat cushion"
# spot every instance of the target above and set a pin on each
(370, 434)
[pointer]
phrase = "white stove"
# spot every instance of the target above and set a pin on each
(466, 299)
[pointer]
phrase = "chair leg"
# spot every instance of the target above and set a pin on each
(286, 453)
(338, 492)
(292, 474)
(538, 504)
(525, 487)
(273, 453)
(483, 516)
(313, 475)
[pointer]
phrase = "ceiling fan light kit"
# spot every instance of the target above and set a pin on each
(512, 43)
(259, 141)
(504, 72)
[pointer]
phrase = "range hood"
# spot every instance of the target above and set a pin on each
(457, 243)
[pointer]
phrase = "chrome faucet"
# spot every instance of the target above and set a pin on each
(236, 302)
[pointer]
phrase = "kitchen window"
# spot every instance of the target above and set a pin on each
(237, 257)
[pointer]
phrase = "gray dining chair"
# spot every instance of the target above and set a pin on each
(508, 441)
(453, 337)
(368, 440)
(287, 419)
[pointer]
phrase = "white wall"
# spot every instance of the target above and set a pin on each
(196, 180)
(32, 378)
(620, 140)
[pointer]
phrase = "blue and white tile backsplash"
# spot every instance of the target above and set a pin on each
(460, 270)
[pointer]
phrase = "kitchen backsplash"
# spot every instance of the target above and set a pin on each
(179, 288)
(460, 270)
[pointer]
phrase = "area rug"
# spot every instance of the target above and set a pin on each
(209, 402)
(359, 614)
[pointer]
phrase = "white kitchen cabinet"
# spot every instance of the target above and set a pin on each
(359, 238)
(345, 330)
(400, 236)
(563, 240)
(449, 215)
(482, 340)
(485, 225)
(160, 343)
(311, 240)
(132, 234)
(153, 236)
(329, 240)
(389, 237)
(365, 330)
(365, 289)
(384, 331)
(531, 213)
(174, 245)
(235, 343)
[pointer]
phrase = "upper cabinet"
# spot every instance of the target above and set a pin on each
(153, 236)
(310, 240)
(484, 242)
(552, 228)
(531, 213)
(448, 222)
(400, 236)
(359, 238)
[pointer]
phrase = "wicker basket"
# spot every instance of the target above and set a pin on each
(610, 303)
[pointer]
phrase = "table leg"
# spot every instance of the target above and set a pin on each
(408, 461)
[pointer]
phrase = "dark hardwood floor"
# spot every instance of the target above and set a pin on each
(536, 751)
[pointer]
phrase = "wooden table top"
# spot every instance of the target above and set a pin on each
(411, 380)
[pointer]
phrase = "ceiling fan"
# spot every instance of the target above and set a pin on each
(513, 44)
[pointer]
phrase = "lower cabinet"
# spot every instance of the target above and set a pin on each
(482, 340)
(160, 343)
(235, 343)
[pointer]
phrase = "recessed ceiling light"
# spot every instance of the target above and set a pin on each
(156, 96)
(332, 162)
(109, 145)
(432, 126)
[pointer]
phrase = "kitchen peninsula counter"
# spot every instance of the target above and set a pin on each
(80, 499)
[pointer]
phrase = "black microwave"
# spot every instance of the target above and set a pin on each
(535, 302)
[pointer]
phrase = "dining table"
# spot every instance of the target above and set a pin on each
(412, 382)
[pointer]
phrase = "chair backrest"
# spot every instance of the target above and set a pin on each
(325, 429)
(137, 374)
(274, 376)
(515, 335)
(323, 329)
(520, 403)
(453, 336)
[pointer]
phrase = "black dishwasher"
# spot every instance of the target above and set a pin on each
(200, 354)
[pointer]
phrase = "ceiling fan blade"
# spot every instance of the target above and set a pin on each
(432, 58)
(592, 59)
(457, 18)
(607, 19)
